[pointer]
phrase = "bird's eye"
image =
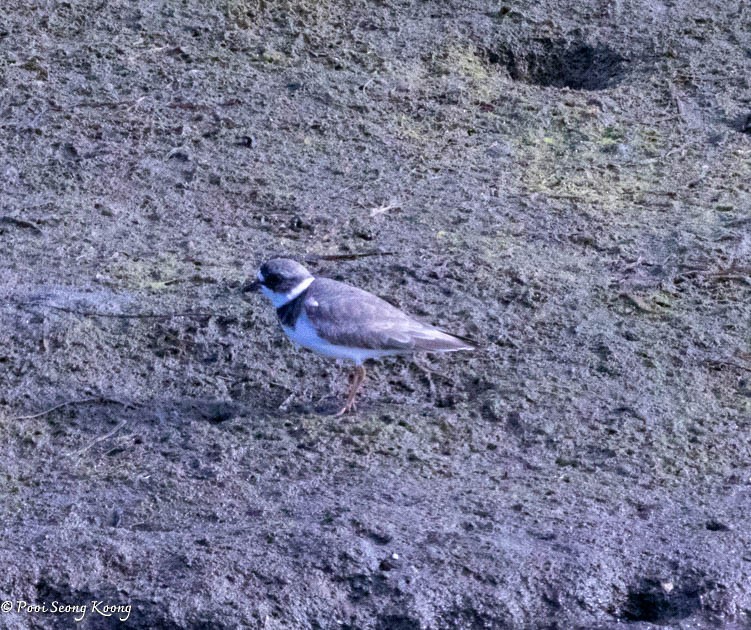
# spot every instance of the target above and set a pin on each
(272, 280)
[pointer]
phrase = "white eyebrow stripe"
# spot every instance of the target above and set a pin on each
(259, 275)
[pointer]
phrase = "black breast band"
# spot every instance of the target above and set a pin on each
(289, 312)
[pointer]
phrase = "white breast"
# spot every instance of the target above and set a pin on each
(305, 335)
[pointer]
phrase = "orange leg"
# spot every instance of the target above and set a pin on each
(357, 378)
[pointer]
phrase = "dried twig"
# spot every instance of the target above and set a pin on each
(679, 104)
(74, 311)
(730, 276)
(429, 373)
(631, 411)
(733, 272)
(80, 401)
(107, 435)
(738, 222)
(350, 256)
(680, 148)
(718, 363)
(637, 302)
(284, 407)
(22, 223)
(384, 208)
(636, 263)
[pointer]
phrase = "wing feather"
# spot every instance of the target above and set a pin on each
(348, 316)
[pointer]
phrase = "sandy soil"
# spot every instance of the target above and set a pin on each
(566, 182)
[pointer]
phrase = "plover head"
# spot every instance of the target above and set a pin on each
(281, 280)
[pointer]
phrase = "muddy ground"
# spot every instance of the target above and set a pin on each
(565, 182)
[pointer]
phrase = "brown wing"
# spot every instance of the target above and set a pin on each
(348, 316)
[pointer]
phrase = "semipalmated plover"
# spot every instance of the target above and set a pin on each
(337, 320)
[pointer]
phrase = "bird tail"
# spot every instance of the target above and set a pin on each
(434, 340)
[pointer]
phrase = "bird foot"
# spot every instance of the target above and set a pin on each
(346, 409)
(357, 378)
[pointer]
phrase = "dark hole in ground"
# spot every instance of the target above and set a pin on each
(560, 63)
(651, 602)
(398, 622)
(741, 123)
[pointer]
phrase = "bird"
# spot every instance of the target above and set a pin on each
(341, 321)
